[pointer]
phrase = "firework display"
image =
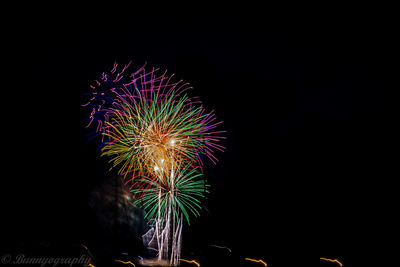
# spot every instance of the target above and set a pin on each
(157, 137)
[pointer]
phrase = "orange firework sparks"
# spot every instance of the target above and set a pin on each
(192, 261)
(332, 260)
(125, 262)
(259, 261)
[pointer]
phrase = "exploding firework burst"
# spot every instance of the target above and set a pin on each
(157, 137)
(152, 135)
(183, 191)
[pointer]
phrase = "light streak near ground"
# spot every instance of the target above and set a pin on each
(126, 262)
(191, 261)
(332, 260)
(259, 261)
(223, 247)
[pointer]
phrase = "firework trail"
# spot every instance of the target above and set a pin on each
(157, 137)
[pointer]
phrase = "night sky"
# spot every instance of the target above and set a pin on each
(305, 172)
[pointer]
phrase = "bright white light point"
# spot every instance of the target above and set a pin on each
(156, 168)
(162, 160)
(172, 142)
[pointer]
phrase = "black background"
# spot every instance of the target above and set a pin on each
(306, 169)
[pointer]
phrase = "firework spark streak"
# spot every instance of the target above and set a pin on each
(259, 261)
(222, 247)
(126, 262)
(332, 260)
(157, 137)
(192, 261)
